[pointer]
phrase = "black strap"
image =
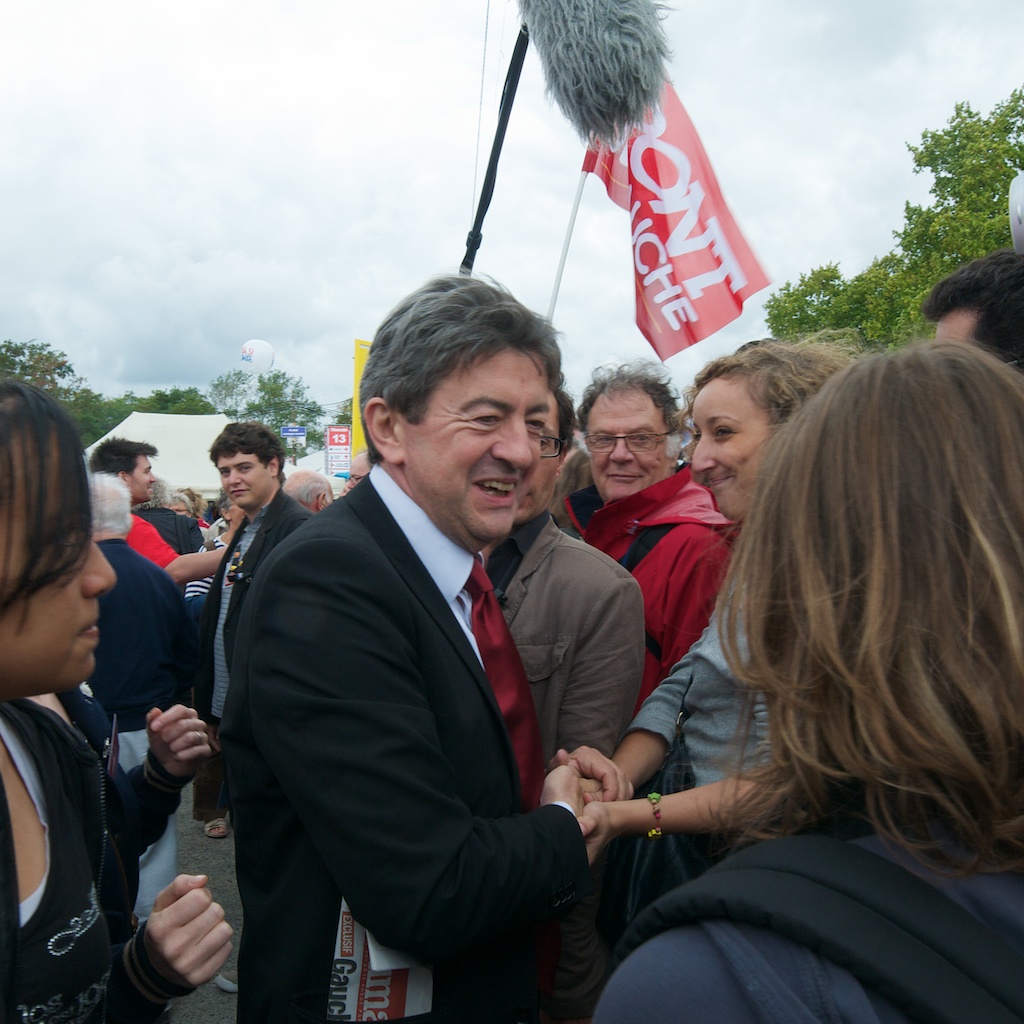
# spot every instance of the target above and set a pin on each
(642, 546)
(637, 552)
(652, 645)
(896, 933)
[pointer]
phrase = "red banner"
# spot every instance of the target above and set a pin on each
(694, 269)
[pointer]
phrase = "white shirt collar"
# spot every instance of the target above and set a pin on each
(448, 564)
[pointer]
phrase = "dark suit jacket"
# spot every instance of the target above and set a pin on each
(181, 532)
(283, 517)
(367, 758)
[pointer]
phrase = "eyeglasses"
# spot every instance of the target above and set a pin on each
(634, 442)
(550, 447)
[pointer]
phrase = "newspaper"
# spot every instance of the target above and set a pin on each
(370, 981)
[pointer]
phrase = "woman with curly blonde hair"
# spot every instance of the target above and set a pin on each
(695, 717)
(878, 601)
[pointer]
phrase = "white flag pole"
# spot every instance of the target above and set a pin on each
(565, 245)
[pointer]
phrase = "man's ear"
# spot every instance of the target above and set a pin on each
(384, 428)
(274, 461)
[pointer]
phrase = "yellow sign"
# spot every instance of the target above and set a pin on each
(358, 437)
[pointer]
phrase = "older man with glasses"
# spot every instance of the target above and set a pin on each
(648, 514)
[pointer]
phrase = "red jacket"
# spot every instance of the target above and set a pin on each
(680, 577)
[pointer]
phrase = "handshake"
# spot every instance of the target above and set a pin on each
(588, 782)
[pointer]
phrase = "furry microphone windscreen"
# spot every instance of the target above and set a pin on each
(603, 60)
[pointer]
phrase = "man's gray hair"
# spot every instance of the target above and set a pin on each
(306, 485)
(446, 326)
(111, 505)
(644, 375)
(161, 496)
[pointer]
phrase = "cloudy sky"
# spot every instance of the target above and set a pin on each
(177, 179)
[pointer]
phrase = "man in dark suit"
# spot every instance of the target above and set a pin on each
(249, 457)
(368, 757)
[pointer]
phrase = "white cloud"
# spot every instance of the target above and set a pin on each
(178, 180)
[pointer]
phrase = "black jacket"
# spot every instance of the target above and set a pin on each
(368, 758)
(181, 532)
(125, 814)
(283, 516)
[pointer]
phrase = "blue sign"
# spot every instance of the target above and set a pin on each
(293, 431)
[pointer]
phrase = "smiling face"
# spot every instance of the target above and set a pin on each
(620, 472)
(730, 430)
(248, 483)
(49, 639)
(140, 480)
(476, 443)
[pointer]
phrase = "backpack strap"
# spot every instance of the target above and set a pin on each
(897, 934)
(635, 554)
(645, 541)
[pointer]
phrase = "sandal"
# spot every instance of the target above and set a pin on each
(216, 828)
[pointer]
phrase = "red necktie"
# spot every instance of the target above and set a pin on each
(504, 670)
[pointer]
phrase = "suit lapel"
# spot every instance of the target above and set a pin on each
(366, 503)
(252, 557)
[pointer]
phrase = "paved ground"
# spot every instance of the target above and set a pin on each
(216, 858)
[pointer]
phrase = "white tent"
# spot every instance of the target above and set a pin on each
(316, 461)
(183, 443)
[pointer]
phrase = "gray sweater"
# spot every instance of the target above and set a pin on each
(715, 731)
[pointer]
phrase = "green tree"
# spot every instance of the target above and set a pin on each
(972, 162)
(231, 392)
(275, 398)
(340, 412)
(282, 399)
(179, 401)
(37, 363)
(51, 371)
(95, 414)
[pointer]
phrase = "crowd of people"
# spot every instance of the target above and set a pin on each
(498, 746)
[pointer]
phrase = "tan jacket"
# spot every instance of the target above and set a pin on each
(577, 617)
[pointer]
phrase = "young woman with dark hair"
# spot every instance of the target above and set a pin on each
(56, 958)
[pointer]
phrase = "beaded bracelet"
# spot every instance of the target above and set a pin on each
(655, 799)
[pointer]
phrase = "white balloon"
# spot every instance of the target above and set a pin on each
(257, 356)
(1017, 213)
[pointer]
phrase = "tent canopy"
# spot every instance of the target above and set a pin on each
(183, 443)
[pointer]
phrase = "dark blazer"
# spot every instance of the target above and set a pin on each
(367, 758)
(181, 532)
(147, 652)
(283, 516)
